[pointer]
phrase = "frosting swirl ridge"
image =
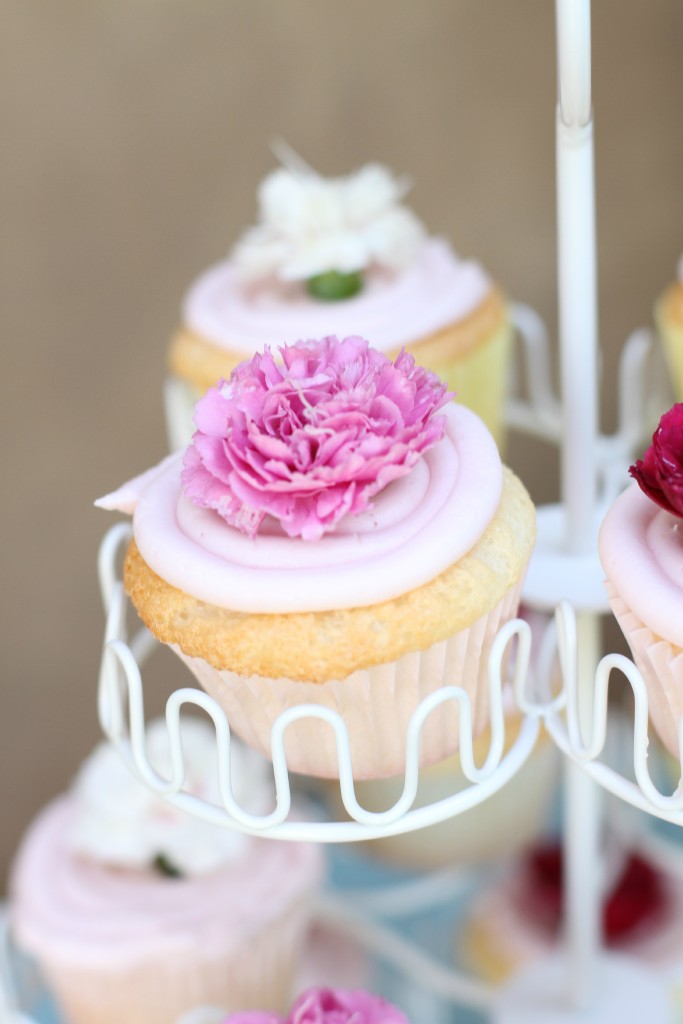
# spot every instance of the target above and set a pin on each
(417, 527)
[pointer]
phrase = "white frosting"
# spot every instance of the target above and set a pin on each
(680, 270)
(418, 526)
(436, 290)
(641, 550)
(118, 821)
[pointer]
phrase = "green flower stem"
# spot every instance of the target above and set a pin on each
(333, 285)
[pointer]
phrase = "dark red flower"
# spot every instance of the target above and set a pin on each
(659, 473)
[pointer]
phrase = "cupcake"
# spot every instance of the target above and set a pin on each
(314, 1006)
(669, 321)
(343, 256)
(510, 819)
(338, 533)
(136, 911)
(641, 551)
(517, 920)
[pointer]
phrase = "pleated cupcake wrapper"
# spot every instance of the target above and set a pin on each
(376, 703)
(479, 377)
(661, 665)
(671, 336)
(159, 989)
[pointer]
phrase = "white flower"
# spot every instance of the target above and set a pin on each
(120, 822)
(309, 225)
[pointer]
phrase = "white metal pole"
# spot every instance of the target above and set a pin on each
(577, 273)
(577, 301)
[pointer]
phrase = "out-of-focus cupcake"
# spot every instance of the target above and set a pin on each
(517, 920)
(344, 256)
(314, 1006)
(641, 551)
(669, 321)
(511, 819)
(341, 534)
(136, 911)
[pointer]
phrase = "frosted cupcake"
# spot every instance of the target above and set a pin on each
(136, 911)
(340, 533)
(314, 1006)
(344, 256)
(517, 920)
(510, 819)
(669, 320)
(641, 550)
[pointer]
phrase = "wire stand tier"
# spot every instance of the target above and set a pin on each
(122, 716)
(584, 985)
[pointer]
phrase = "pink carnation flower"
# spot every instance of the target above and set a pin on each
(312, 439)
(339, 1006)
(660, 472)
(329, 1006)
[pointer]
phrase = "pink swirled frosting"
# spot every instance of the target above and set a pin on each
(89, 914)
(418, 526)
(329, 1006)
(394, 309)
(641, 551)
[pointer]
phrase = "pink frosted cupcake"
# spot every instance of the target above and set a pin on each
(345, 256)
(136, 911)
(338, 533)
(641, 550)
(315, 1006)
(517, 920)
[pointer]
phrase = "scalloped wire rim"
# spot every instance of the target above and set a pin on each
(580, 698)
(121, 689)
(539, 415)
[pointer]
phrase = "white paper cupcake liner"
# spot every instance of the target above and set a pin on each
(671, 335)
(376, 703)
(661, 665)
(162, 988)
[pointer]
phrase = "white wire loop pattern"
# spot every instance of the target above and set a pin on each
(121, 713)
(532, 408)
(581, 732)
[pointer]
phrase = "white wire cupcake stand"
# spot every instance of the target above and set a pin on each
(584, 983)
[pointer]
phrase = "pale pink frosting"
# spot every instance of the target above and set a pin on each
(641, 550)
(81, 912)
(418, 526)
(393, 309)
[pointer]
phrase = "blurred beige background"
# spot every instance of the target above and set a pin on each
(134, 135)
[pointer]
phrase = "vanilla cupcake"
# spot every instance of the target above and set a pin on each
(343, 256)
(340, 534)
(669, 321)
(136, 911)
(516, 920)
(511, 819)
(641, 551)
